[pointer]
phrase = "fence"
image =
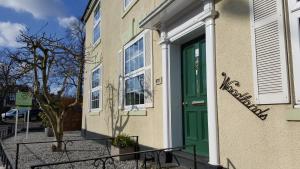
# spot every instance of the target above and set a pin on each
(6, 131)
(69, 143)
(144, 157)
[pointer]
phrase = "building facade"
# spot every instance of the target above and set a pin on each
(221, 75)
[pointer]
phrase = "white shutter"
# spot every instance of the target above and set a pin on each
(148, 88)
(121, 79)
(269, 52)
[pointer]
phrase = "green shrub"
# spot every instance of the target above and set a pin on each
(123, 141)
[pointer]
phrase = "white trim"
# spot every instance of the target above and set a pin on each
(189, 26)
(294, 5)
(134, 73)
(131, 42)
(98, 88)
(137, 106)
(295, 43)
(167, 138)
(196, 23)
(211, 87)
(125, 7)
(96, 23)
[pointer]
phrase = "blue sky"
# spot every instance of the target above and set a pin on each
(16, 15)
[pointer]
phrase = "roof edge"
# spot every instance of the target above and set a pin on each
(87, 11)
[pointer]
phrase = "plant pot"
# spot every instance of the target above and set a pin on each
(117, 150)
(49, 132)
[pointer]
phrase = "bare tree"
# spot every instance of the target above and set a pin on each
(9, 74)
(76, 38)
(53, 70)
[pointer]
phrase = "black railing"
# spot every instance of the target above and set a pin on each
(6, 131)
(160, 158)
(4, 158)
(67, 143)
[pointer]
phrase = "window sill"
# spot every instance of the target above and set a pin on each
(95, 112)
(135, 113)
(128, 8)
(294, 115)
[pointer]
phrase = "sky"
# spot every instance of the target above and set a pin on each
(52, 16)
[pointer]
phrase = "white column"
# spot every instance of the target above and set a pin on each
(212, 92)
(165, 93)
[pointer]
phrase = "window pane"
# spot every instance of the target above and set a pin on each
(95, 78)
(134, 88)
(134, 57)
(133, 66)
(127, 99)
(140, 61)
(127, 54)
(97, 32)
(95, 99)
(127, 2)
(141, 46)
(135, 48)
(97, 13)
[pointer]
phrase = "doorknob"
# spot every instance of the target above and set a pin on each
(184, 103)
(198, 103)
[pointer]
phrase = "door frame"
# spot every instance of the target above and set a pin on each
(197, 39)
(170, 40)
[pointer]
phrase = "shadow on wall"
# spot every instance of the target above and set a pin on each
(230, 165)
(236, 8)
(118, 122)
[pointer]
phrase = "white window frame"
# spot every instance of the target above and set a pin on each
(96, 23)
(294, 5)
(98, 88)
(294, 17)
(133, 73)
(128, 5)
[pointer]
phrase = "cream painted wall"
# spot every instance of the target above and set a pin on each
(245, 140)
(117, 29)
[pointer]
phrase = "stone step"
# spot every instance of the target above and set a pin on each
(165, 166)
(186, 159)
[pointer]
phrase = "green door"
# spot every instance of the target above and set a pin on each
(194, 95)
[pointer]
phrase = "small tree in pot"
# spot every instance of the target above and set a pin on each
(123, 144)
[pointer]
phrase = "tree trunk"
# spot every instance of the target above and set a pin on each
(59, 135)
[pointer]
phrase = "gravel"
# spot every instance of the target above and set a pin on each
(40, 153)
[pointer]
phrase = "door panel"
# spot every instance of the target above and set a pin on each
(194, 95)
(192, 132)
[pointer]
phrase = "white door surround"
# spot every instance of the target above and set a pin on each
(172, 37)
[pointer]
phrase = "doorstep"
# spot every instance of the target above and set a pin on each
(187, 159)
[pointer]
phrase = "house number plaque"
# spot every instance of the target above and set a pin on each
(229, 84)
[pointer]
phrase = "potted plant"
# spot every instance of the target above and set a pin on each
(45, 122)
(123, 144)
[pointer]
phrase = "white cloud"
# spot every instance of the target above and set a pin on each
(9, 32)
(38, 8)
(67, 22)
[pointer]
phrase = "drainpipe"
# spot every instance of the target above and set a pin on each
(165, 90)
(213, 133)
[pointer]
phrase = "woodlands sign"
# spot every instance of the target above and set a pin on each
(228, 85)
